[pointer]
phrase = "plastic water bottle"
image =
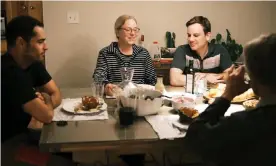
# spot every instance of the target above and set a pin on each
(155, 52)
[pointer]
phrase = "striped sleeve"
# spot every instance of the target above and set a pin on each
(100, 72)
(150, 75)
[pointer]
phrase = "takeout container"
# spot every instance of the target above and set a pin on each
(143, 107)
(187, 100)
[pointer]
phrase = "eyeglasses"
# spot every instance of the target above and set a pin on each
(129, 30)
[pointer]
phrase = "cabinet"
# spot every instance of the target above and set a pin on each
(16, 8)
(164, 70)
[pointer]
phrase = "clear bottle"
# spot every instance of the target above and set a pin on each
(190, 78)
(159, 86)
(155, 52)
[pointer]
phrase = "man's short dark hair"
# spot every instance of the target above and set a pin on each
(202, 21)
(260, 58)
(21, 26)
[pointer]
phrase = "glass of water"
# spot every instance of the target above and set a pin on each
(200, 87)
(97, 89)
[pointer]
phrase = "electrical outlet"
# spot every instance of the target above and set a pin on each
(73, 17)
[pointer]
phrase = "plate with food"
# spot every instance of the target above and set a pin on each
(85, 105)
(247, 95)
(187, 114)
(213, 93)
(250, 104)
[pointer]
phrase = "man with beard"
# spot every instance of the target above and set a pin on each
(28, 92)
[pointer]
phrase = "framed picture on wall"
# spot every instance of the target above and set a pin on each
(3, 24)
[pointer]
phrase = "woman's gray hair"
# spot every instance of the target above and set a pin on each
(260, 59)
(120, 22)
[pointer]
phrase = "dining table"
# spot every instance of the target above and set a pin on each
(83, 137)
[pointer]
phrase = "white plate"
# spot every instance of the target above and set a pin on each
(70, 105)
(232, 109)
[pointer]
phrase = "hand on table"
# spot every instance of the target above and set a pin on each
(45, 98)
(235, 83)
(214, 78)
(200, 76)
(109, 89)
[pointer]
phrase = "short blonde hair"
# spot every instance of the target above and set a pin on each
(120, 22)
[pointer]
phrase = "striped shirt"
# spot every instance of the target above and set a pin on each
(110, 60)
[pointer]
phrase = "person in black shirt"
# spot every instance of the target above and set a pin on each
(247, 137)
(28, 92)
(210, 60)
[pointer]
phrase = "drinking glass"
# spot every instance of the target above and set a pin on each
(127, 73)
(97, 89)
(200, 87)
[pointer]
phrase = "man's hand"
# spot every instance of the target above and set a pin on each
(39, 95)
(200, 76)
(47, 99)
(235, 83)
(214, 78)
(109, 89)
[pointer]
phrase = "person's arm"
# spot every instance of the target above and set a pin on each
(25, 95)
(41, 111)
(150, 74)
(211, 77)
(177, 77)
(53, 91)
(212, 135)
(100, 72)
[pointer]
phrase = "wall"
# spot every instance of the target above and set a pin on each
(73, 48)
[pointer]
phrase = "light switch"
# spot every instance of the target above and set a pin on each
(73, 17)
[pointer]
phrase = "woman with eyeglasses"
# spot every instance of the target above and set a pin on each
(124, 53)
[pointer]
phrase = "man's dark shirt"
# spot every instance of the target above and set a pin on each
(18, 88)
(216, 60)
(244, 138)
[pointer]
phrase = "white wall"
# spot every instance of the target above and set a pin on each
(73, 48)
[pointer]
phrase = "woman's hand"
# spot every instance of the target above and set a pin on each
(108, 89)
